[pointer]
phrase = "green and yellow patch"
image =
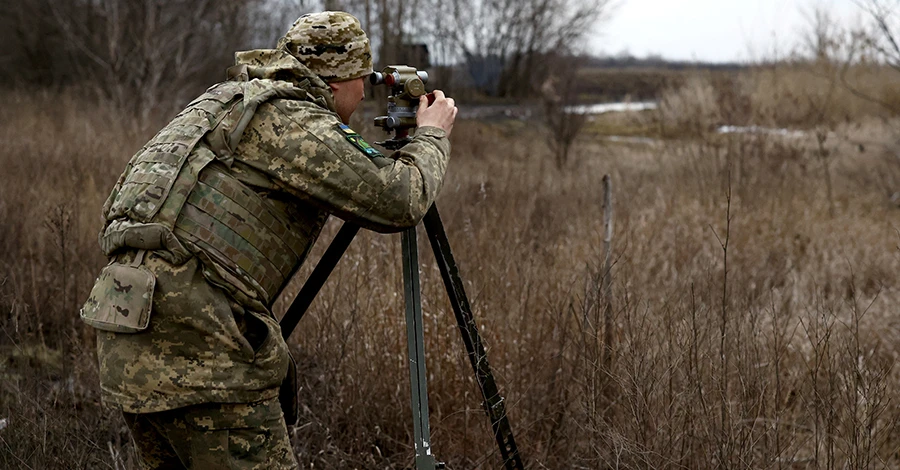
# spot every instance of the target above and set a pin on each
(354, 138)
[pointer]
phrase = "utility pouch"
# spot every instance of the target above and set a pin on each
(121, 298)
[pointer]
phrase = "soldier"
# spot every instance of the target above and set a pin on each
(212, 217)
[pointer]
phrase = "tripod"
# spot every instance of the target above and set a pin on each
(407, 85)
(493, 402)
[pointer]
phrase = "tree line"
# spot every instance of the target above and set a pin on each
(146, 54)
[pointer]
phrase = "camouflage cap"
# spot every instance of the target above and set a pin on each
(331, 43)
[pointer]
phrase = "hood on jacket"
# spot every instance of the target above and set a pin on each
(279, 65)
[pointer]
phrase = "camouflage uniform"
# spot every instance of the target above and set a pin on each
(226, 201)
(214, 435)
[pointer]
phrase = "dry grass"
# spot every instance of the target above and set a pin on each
(798, 96)
(694, 103)
(784, 360)
(637, 83)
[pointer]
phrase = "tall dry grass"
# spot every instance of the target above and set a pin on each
(59, 156)
(802, 95)
(755, 317)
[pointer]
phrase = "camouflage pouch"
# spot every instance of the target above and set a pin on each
(121, 298)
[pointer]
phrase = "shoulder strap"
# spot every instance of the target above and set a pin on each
(224, 138)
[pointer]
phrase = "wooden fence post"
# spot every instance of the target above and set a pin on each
(606, 283)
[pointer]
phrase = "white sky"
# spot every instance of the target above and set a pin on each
(711, 30)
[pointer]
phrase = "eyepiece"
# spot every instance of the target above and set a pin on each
(387, 122)
(377, 78)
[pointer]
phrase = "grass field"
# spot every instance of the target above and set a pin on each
(755, 293)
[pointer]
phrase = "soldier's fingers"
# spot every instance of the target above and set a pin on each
(423, 103)
(451, 102)
(438, 95)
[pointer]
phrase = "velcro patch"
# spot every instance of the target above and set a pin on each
(358, 141)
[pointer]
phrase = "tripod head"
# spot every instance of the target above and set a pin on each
(407, 85)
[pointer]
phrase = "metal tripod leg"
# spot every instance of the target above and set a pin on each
(493, 402)
(415, 336)
(317, 279)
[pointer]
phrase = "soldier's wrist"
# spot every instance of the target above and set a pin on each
(431, 131)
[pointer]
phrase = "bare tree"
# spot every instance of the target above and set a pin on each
(139, 54)
(822, 38)
(154, 54)
(30, 40)
(562, 120)
(882, 36)
(846, 56)
(872, 46)
(504, 42)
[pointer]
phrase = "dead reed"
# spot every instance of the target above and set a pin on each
(755, 315)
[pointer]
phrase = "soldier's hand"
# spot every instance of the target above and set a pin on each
(441, 113)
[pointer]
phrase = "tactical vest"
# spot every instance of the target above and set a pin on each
(177, 195)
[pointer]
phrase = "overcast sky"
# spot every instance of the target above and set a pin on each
(710, 30)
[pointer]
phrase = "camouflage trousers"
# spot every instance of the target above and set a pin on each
(212, 436)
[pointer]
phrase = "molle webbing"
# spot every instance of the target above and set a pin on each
(237, 228)
(178, 188)
(158, 169)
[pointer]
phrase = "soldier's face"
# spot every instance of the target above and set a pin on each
(347, 96)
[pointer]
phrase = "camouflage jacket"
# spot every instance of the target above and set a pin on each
(211, 335)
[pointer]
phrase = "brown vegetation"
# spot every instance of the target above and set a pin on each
(601, 84)
(755, 311)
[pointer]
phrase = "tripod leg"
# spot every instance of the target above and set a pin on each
(415, 336)
(317, 279)
(493, 402)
